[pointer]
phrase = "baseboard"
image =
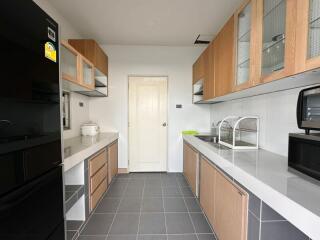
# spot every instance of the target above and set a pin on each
(122, 170)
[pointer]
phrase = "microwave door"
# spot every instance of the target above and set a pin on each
(312, 110)
(308, 109)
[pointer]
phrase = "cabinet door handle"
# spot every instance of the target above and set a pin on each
(164, 124)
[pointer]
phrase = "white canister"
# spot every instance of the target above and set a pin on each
(89, 129)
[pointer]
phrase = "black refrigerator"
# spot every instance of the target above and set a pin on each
(31, 185)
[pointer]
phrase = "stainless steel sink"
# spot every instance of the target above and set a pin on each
(213, 141)
(207, 138)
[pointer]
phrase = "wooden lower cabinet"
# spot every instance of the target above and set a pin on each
(190, 166)
(207, 188)
(103, 166)
(92, 51)
(113, 161)
(98, 181)
(97, 162)
(224, 203)
(98, 193)
(230, 209)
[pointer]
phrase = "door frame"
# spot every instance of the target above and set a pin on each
(128, 111)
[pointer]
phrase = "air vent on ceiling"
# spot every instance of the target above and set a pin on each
(203, 39)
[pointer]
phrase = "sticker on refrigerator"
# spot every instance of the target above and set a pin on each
(50, 51)
(51, 34)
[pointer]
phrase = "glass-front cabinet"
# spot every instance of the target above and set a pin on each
(87, 69)
(244, 48)
(69, 63)
(308, 35)
(314, 29)
(276, 19)
(76, 69)
(274, 37)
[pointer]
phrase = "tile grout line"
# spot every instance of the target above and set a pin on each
(183, 197)
(260, 219)
(92, 213)
(179, 188)
(115, 214)
(211, 227)
(164, 211)
(144, 184)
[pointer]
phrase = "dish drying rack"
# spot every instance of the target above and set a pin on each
(239, 132)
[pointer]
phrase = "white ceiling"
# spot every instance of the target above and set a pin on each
(146, 22)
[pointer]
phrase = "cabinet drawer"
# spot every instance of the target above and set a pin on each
(96, 179)
(96, 196)
(97, 162)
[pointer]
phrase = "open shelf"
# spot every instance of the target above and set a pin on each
(199, 93)
(98, 83)
(73, 229)
(72, 195)
(94, 93)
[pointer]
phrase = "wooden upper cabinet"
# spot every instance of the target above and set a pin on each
(230, 209)
(92, 51)
(265, 40)
(76, 68)
(276, 34)
(308, 35)
(245, 54)
(224, 59)
(198, 69)
(207, 188)
(208, 79)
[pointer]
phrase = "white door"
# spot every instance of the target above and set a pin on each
(147, 124)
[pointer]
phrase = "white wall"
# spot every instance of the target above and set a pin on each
(277, 112)
(175, 62)
(79, 114)
(66, 29)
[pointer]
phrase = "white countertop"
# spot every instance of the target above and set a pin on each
(78, 149)
(266, 174)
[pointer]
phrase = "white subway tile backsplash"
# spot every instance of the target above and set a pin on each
(277, 112)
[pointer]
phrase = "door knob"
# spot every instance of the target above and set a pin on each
(164, 124)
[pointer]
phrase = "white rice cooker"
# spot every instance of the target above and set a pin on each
(89, 129)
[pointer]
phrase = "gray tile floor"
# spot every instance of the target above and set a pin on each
(148, 206)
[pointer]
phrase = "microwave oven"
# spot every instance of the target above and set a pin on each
(308, 109)
(304, 148)
(304, 153)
